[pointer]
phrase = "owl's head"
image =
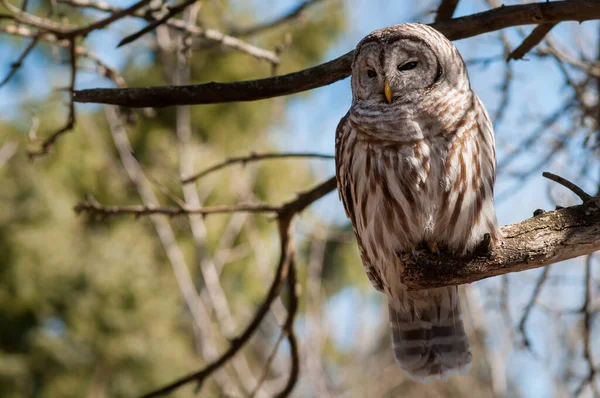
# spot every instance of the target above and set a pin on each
(403, 61)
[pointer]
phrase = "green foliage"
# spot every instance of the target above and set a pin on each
(91, 307)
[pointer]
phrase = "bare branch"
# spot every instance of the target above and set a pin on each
(339, 68)
(569, 185)
(536, 292)
(103, 69)
(446, 10)
(587, 326)
(65, 31)
(68, 126)
(83, 31)
(95, 208)
(267, 365)
(14, 67)
(253, 157)
(542, 240)
(285, 262)
(203, 326)
(288, 329)
(171, 13)
(211, 35)
(536, 36)
(293, 14)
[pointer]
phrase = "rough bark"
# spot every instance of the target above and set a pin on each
(538, 241)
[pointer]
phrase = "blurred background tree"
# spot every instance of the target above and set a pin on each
(117, 306)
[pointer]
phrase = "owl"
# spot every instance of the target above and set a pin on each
(415, 166)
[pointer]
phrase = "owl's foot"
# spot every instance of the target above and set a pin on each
(485, 247)
(433, 247)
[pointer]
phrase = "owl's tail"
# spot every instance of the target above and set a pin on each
(428, 335)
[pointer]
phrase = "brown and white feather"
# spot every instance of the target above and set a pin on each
(421, 169)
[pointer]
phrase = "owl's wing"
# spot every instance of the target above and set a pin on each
(343, 161)
(487, 162)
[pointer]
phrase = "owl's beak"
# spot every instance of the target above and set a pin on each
(387, 91)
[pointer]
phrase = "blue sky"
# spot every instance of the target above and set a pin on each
(312, 122)
(310, 126)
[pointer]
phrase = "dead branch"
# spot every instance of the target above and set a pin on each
(171, 13)
(253, 157)
(534, 38)
(103, 69)
(587, 326)
(14, 67)
(211, 35)
(288, 329)
(285, 262)
(66, 31)
(446, 10)
(68, 126)
(92, 207)
(204, 330)
(532, 301)
(339, 68)
(584, 196)
(293, 14)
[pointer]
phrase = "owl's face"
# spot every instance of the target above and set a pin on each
(403, 61)
(387, 70)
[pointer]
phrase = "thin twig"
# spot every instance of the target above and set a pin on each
(260, 28)
(115, 16)
(267, 365)
(171, 13)
(534, 38)
(212, 35)
(587, 326)
(534, 296)
(49, 142)
(288, 329)
(203, 326)
(96, 208)
(286, 258)
(14, 67)
(252, 158)
(569, 185)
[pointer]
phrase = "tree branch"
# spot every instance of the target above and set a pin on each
(95, 208)
(536, 242)
(253, 157)
(446, 10)
(285, 262)
(339, 68)
(153, 25)
(68, 126)
(534, 38)
(293, 14)
(212, 35)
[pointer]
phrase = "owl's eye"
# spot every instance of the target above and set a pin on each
(407, 66)
(371, 73)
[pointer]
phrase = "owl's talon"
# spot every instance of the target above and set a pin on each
(484, 248)
(432, 246)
